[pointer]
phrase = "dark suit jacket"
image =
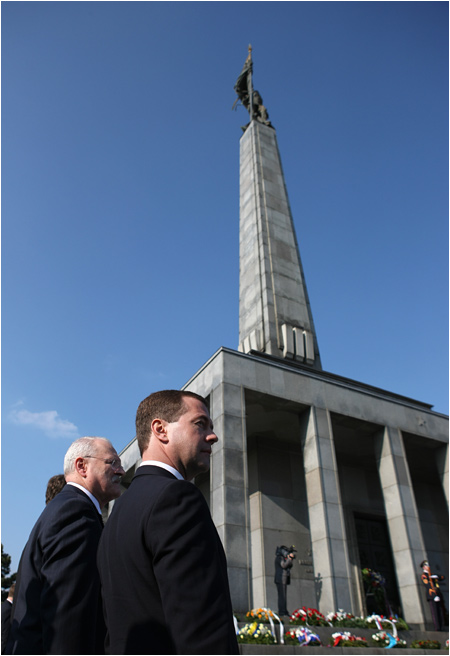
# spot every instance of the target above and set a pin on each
(57, 604)
(6, 622)
(164, 572)
(283, 570)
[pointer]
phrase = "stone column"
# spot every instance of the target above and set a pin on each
(442, 465)
(259, 579)
(229, 487)
(403, 521)
(326, 517)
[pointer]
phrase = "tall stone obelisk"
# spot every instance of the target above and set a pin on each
(274, 310)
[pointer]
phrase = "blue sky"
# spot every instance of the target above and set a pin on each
(120, 204)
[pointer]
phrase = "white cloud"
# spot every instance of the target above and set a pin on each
(49, 422)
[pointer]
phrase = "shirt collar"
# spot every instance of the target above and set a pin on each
(89, 494)
(169, 468)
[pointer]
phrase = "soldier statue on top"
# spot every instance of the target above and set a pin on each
(249, 97)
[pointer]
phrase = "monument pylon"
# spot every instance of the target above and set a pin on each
(274, 311)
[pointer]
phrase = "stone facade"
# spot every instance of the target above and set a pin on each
(301, 454)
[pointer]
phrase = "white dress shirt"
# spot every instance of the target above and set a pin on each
(90, 495)
(169, 468)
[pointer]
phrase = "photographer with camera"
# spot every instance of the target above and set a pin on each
(284, 559)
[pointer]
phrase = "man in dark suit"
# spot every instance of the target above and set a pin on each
(162, 565)
(6, 615)
(284, 559)
(57, 606)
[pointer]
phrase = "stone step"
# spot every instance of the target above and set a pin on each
(325, 633)
(287, 650)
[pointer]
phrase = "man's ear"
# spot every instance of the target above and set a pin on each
(80, 466)
(159, 430)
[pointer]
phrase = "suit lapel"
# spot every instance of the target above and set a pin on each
(71, 488)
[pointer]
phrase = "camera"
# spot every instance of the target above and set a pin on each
(285, 551)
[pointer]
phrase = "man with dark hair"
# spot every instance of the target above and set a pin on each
(162, 565)
(168, 404)
(57, 605)
(54, 487)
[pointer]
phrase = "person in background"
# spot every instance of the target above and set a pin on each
(57, 605)
(434, 595)
(54, 486)
(284, 559)
(6, 615)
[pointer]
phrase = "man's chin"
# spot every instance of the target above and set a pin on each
(201, 468)
(116, 490)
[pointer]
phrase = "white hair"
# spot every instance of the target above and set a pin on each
(81, 448)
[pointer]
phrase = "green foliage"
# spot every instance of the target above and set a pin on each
(255, 634)
(7, 579)
(290, 639)
(341, 618)
(347, 639)
(400, 624)
(398, 621)
(382, 639)
(308, 616)
(297, 636)
(426, 644)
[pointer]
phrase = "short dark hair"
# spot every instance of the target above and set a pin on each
(167, 404)
(54, 487)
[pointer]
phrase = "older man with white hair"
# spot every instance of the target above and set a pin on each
(57, 606)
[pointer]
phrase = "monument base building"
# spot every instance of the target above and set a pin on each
(354, 476)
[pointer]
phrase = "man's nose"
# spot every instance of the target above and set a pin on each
(212, 437)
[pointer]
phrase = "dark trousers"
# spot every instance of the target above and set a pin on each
(436, 614)
(282, 591)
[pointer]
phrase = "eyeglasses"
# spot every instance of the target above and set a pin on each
(115, 462)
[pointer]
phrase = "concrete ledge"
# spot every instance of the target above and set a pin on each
(325, 633)
(336, 651)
